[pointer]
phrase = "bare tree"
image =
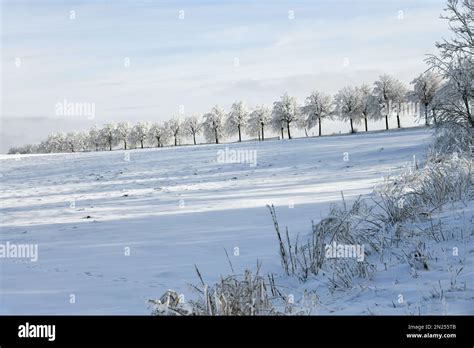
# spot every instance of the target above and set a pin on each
(174, 126)
(425, 89)
(286, 111)
(385, 92)
(159, 132)
(258, 119)
(192, 126)
(124, 130)
(214, 124)
(237, 119)
(140, 132)
(72, 141)
(318, 107)
(455, 63)
(367, 103)
(399, 99)
(278, 126)
(346, 103)
(95, 138)
(109, 134)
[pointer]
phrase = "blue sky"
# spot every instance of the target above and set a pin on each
(190, 61)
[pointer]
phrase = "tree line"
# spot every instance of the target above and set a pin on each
(444, 93)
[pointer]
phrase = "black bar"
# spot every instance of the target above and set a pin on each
(290, 330)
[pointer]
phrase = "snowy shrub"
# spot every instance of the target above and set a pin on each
(417, 193)
(234, 295)
(342, 272)
(247, 294)
(452, 138)
(343, 226)
(170, 304)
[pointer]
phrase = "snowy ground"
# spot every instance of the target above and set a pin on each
(176, 207)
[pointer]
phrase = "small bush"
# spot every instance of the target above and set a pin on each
(450, 137)
(343, 225)
(417, 193)
(247, 294)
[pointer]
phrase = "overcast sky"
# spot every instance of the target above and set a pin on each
(280, 46)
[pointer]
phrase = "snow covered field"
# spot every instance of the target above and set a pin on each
(115, 229)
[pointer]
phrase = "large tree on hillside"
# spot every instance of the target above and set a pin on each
(160, 133)
(192, 126)
(286, 111)
(72, 141)
(278, 126)
(367, 107)
(109, 134)
(399, 99)
(237, 119)
(425, 89)
(140, 132)
(258, 119)
(95, 138)
(384, 91)
(346, 105)
(175, 128)
(124, 130)
(318, 107)
(213, 124)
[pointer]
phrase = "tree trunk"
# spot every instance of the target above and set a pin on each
(434, 117)
(157, 142)
(386, 122)
(215, 133)
(306, 131)
(175, 140)
(263, 134)
(468, 109)
(319, 126)
(352, 126)
(366, 128)
(288, 129)
(110, 145)
(125, 144)
(194, 138)
(282, 134)
(398, 121)
(240, 135)
(141, 143)
(426, 116)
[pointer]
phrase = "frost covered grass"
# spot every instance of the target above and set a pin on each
(416, 193)
(247, 294)
(308, 256)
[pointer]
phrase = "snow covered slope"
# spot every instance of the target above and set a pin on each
(117, 228)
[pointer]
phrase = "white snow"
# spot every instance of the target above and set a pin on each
(176, 207)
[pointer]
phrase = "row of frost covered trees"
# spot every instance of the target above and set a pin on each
(356, 105)
(443, 93)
